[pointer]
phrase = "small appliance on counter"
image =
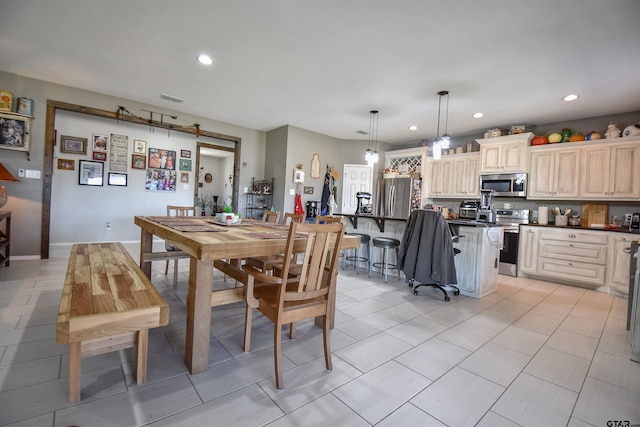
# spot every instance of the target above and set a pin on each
(469, 209)
(364, 203)
(486, 212)
(312, 210)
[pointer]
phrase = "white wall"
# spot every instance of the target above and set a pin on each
(25, 197)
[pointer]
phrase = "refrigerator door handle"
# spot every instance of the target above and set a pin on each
(392, 199)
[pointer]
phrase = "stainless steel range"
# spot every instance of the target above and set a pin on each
(510, 220)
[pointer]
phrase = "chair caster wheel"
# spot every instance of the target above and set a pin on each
(456, 292)
(415, 292)
(446, 298)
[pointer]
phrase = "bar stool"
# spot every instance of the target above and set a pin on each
(385, 243)
(356, 258)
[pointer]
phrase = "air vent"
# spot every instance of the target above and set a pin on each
(171, 98)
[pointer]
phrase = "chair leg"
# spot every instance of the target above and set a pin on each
(277, 352)
(327, 344)
(166, 268)
(175, 272)
(385, 263)
(248, 318)
(292, 330)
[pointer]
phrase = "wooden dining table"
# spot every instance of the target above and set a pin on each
(206, 242)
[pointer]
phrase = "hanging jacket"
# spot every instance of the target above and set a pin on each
(426, 250)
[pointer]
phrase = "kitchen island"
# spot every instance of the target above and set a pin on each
(477, 263)
(379, 220)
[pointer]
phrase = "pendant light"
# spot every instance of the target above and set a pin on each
(441, 142)
(371, 153)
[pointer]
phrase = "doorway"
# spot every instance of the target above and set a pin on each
(356, 178)
(216, 175)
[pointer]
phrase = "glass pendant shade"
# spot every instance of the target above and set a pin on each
(371, 153)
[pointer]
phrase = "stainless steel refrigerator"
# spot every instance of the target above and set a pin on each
(397, 197)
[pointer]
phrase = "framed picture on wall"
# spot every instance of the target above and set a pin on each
(185, 165)
(16, 131)
(298, 176)
(138, 161)
(185, 153)
(99, 156)
(99, 142)
(73, 145)
(162, 159)
(308, 190)
(139, 146)
(184, 177)
(66, 164)
(118, 179)
(90, 173)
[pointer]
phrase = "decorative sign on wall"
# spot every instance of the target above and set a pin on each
(118, 152)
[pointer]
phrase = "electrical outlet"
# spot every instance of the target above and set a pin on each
(20, 173)
(108, 226)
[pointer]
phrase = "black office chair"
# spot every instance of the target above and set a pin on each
(427, 254)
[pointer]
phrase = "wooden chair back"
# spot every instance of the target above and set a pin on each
(270, 216)
(292, 217)
(324, 219)
(181, 210)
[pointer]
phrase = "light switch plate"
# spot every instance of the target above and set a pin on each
(292, 192)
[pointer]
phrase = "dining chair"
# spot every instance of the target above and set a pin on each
(307, 294)
(176, 211)
(270, 216)
(290, 217)
(265, 263)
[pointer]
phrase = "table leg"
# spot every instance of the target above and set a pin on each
(198, 315)
(146, 247)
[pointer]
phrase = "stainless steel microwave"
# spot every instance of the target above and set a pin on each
(505, 185)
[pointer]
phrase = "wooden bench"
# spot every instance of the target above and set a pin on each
(107, 304)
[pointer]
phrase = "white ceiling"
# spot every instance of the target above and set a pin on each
(322, 65)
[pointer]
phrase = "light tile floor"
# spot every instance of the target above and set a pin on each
(532, 354)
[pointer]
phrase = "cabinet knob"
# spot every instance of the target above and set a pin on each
(573, 236)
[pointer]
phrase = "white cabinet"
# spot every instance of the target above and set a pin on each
(440, 177)
(455, 176)
(619, 261)
(504, 154)
(465, 175)
(554, 173)
(477, 262)
(611, 171)
(528, 250)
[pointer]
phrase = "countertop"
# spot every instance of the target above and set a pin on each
(472, 223)
(614, 230)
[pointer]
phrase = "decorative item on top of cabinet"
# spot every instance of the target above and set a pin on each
(612, 131)
(632, 130)
(504, 153)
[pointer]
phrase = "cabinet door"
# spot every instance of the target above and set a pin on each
(619, 262)
(595, 164)
(468, 259)
(513, 157)
(528, 250)
(471, 186)
(458, 177)
(542, 175)
(625, 174)
(566, 175)
(440, 182)
(490, 155)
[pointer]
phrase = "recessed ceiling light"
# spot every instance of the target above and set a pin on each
(205, 59)
(413, 127)
(478, 115)
(571, 97)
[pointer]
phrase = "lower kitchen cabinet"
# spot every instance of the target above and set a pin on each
(477, 262)
(528, 250)
(620, 261)
(575, 256)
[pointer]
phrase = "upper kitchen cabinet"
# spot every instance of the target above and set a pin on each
(440, 173)
(554, 173)
(465, 175)
(504, 154)
(611, 170)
